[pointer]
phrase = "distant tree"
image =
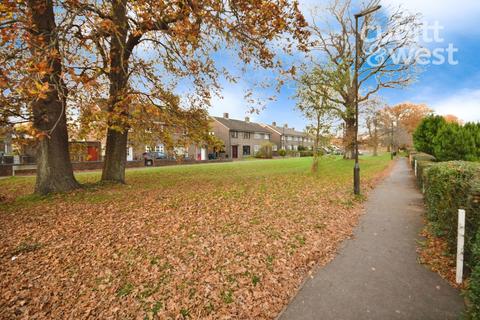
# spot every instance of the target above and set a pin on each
(425, 134)
(319, 110)
(408, 115)
(452, 118)
(374, 123)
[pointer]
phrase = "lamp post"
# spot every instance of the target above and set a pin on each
(356, 168)
(391, 142)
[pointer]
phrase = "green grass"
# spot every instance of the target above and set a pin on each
(332, 169)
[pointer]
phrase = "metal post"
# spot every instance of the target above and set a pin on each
(391, 143)
(356, 168)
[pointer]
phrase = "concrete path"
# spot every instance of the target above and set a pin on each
(376, 274)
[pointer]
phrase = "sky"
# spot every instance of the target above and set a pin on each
(446, 88)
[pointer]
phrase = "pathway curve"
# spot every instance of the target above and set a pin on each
(376, 274)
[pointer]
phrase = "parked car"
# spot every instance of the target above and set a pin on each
(335, 150)
(154, 155)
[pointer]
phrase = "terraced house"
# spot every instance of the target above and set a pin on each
(241, 138)
(286, 138)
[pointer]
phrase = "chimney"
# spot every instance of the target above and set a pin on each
(225, 115)
(293, 129)
(247, 119)
(274, 124)
(285, 125)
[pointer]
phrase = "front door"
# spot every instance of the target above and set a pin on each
(234, 152)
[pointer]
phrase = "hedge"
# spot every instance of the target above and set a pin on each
(450, 186)
(422, 167)
(420, 156)
(306, 153)
(473, 293)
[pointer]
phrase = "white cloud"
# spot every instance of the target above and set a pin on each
(455, 16)
(232, 102)
(464, 104)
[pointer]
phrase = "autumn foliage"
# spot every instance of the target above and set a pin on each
(121, 66)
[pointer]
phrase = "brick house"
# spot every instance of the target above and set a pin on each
(286, 138)
(241, 138)
(189, 151)
(81, 151)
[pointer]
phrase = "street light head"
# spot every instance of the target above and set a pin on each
(368, 11)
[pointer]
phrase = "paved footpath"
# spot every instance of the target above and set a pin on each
(376, 274)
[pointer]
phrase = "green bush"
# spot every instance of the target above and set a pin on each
(265, 152)
(473, 291)
(282, 152)
(306, 153)
(448, 141)
(426, 132)
(450, 186)
(454, 142)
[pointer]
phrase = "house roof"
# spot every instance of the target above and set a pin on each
(287, 131)
(239, 125)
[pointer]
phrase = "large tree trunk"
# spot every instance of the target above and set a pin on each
(116, 148)
(349, 134)
(349, 138)
(115, 156)
(54, 169)
(315, 147)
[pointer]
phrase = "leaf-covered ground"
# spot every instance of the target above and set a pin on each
(433, 253)
(219, 241)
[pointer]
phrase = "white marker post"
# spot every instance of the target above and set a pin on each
(460, 243)
(415, 167)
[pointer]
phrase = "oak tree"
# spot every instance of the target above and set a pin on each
(32, 86)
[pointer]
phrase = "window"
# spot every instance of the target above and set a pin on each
(256, 148)
(234, 134)
(267, 136)
(274, 148)
(246, 150)
(257, 136)
(160, 148)
(246, 135)
(295, 148)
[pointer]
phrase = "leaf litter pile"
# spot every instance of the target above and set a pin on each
(223, 241)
